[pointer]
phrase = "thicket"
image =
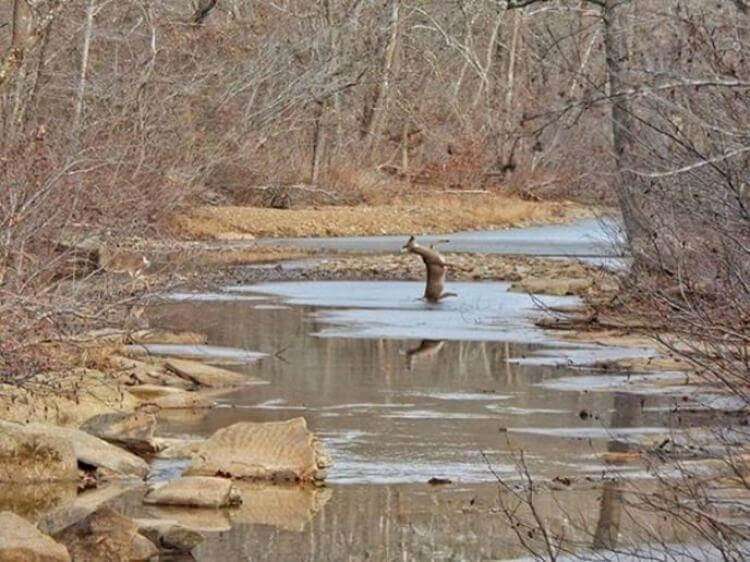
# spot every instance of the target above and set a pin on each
(114, 113)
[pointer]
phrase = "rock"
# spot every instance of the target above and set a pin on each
(32, 455)
(99, 337)
(20, 541)
(556, 287)
(206, 375)
(81, 252)
(34, 499)
(568, 322)
(133, 372)
(134, 432)
(213, 353)
(66, 398)
(170, 535)
(177, 448)
(437, 481)
(93, 391)
(88, 502)
(621, 457)
(151, 392)
(106, 535)
(142, 548)
(92, 451)
(195, 491)
(263, 451)
(170, 398)
(162, 336)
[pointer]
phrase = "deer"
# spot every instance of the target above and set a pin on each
(132, 264)
(436, 267)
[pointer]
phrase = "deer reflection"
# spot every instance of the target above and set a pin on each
(426, 348)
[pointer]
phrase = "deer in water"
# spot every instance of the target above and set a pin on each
(436, 268)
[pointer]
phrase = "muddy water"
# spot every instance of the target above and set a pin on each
(402, 392)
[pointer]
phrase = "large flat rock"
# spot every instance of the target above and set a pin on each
(163, 336)
(20, 541)
(213, 353)
(132, 431)
(282, 451)
(195, 491)
(134, 372)
(207, 375)
(171, 398)
(556, 287)
(29, 454)
(33, 500)
(96, 452)
(68, 398)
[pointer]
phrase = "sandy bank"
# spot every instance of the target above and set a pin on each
(434, 215)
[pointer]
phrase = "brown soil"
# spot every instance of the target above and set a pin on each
(435, 214)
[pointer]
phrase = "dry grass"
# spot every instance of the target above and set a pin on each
(197, 259)
(433, 214)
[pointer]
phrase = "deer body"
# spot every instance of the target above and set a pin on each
(436, 270)
(124, 262)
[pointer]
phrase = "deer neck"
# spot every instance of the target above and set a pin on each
(428, 254)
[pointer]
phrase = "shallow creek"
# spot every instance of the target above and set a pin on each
(582, 238)
(402, 392)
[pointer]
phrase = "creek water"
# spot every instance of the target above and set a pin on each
(589, 237)
(468, 393)
(402, 392)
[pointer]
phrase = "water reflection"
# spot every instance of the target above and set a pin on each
(439, 403)
(628, 410)
(396, 413)
(32, 500)
(425, 349)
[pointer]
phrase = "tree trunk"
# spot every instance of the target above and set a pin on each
(405, 148)
(489, 58)
(318, 145)
(21, 36)
(36, 79)
(21, 32)
(623, 132)
(511, 75)
(375, 105)
(334, 39)
(504, 159)
(23, 20)
(83, 69)
(26, 33)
